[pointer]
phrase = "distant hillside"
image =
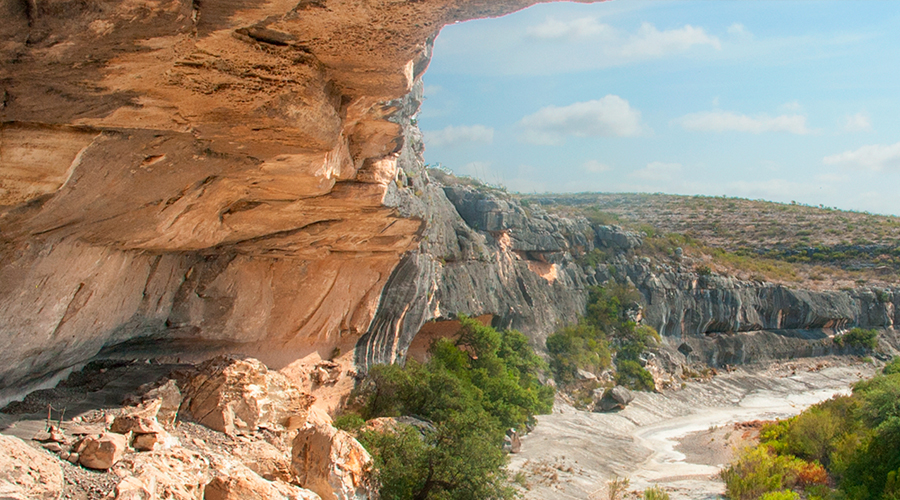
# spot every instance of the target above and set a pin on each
(819, 247)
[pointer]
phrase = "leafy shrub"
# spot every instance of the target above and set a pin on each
(781, 495)
(892, 367)
(579, 347)
(758, 471)
(350, 422)
(851, 440)
(858, 338)
(633, 376)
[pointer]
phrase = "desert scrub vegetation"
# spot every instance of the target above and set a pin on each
(470, 391)
(605, 336)
(788, 243)
(858, 338)
(844, 448)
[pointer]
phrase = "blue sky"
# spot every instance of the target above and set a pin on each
(779, 100)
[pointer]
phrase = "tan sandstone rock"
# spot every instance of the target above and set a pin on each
(169, 396)
(138, 419)
(172, 474)
(230, 394)
(101, 452)
(216, 171)
(243, 484)
(332, 463)
(26, 473)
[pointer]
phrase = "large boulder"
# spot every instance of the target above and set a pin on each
(26, 473)
(101, 452)
(331, 463)
(173, 474)
(230, 394)
(616, 398)
(244, 484)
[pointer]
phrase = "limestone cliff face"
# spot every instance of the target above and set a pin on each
(208, 171)
(484, 254)
(245, 175)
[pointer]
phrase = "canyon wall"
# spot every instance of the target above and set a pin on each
(247, 176)
(484, 254)
(205, 172)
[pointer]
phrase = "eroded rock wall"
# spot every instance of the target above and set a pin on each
(214, 172)
(483, 254)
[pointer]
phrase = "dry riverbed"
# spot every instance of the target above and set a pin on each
(678, 440)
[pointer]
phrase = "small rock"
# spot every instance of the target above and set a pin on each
(52, 446)
(64, 455)
(169, 397)
(241, 484)
(42, 436)
(331, 463)
(73, 458)
(57, 436)
(103, 452)
(147, 442)
(139, 419)
(616, 398)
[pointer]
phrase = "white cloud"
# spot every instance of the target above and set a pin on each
(658, 171)
(876, 157)
(722, 121)
(646, 42)
(431, 90)
(650, 42)
(607, 117)
(595, 167)
(459, 135)
(583, 27)
(857, 123)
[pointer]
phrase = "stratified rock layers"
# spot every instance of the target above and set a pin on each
(247, 176)
(211, 172)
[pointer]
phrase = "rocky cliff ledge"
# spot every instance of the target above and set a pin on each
(211, 171)
(484, 254)
(246, 176)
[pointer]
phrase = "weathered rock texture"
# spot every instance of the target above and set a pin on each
(230, 394)
(26, 473)
(331, 463)
(483, 254)
(209, 171)
(246, 176)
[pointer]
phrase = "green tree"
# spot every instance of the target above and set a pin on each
(471, 390)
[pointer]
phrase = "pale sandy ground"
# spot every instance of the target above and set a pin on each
(572, 454)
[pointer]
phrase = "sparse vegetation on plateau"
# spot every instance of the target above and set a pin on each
(816, 247)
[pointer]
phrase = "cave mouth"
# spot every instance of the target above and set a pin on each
(432, 331)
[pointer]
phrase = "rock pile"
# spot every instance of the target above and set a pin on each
(243, 443)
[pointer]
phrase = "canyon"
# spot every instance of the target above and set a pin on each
(182, 179)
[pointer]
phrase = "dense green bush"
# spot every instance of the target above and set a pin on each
(856, 439)
(858, 338)
(471, 390)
